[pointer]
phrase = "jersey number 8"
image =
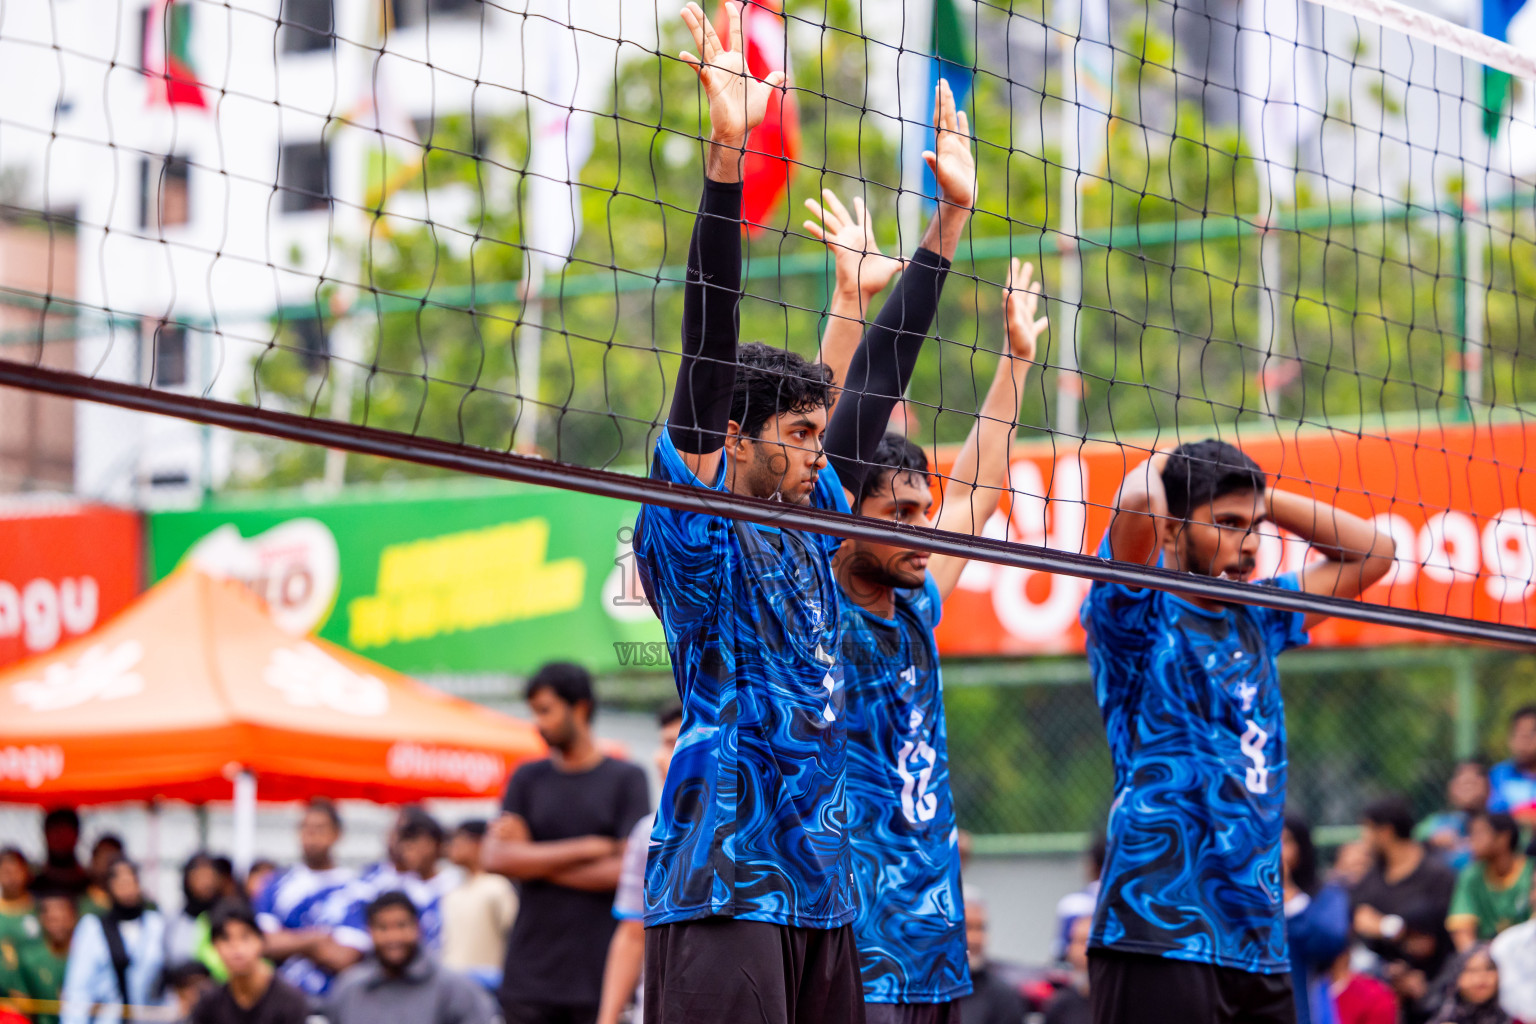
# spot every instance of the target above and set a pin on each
(1252, 745)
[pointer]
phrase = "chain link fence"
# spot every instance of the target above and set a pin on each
(1031, 769)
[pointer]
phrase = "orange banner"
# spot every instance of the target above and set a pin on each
(1457, 500)
(62, 571)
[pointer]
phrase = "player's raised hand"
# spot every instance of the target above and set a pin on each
(1021, 300)
(953, 166)
(861, 266)
(737, 101)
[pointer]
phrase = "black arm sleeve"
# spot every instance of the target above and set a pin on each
(701, 402)
(881, 367)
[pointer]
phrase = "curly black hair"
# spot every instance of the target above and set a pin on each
(895, 454)
(1200, 472)
(773, 381)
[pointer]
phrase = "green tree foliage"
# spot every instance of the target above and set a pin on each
(1169, 317)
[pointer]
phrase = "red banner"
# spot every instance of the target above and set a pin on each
(63, 571)
(1457, 500)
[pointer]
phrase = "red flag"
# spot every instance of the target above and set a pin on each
(168, 56)
(776, 142)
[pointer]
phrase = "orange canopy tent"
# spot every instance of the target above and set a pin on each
(192, 690)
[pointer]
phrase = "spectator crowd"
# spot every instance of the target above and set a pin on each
(1415, 922)
(535, 916)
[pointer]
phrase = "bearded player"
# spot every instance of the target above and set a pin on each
(748, 894)
(1190, 924)
(911, 925)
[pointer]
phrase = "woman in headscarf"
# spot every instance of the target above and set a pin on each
(116, 958)
(186, 934)
(1475, 996)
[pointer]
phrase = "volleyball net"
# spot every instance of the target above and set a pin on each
(428, 235)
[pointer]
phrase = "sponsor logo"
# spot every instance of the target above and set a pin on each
(100, 673)
(42, 611)
(310, 678)
(294, 567)
(31, 766)
(623, 597)
(465, 581)
(475, 770)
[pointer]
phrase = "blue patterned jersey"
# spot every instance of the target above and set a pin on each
(906, 859)
(751, 821)
(1191, 705)
(300, 899)
(426, 894)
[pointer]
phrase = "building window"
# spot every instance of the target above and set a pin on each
(144, 23)
(170, 478)
(170, 355)
(165, 192)
(304, 177)
(308, 25)
(310, 341)
(175, 191)
(417, 12)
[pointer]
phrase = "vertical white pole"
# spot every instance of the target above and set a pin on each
(530, 350)
(351, 222)
(1477, 156)
(152, 865)
(346, 348)
(914, 104)
(245, 823)
(1475, 224)
(1069, 387)
(1270, 283)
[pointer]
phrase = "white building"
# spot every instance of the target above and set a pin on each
(212, 218)
(209, 219)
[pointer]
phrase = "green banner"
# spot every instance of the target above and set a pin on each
(470, 578)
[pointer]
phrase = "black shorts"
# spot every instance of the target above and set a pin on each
(912, 1013)
(543, 1013)
(1133, 988)
(719, 970)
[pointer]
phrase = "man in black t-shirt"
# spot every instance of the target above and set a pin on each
(254, 994)
(992, 1000)
(1400, 905)
(561, 837)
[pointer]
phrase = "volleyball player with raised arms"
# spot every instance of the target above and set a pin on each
(911, 925)
(749, 895)
(1190, 924)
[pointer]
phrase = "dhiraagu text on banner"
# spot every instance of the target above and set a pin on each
(444, 578)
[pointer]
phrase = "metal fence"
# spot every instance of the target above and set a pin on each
(1031, 769)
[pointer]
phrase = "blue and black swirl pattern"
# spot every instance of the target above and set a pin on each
(911, 923)
(753, 816)
(1196, 726)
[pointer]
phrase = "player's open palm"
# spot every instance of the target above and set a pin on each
(1021, 301)
(737, 101)
(953, 165)
(851, 237)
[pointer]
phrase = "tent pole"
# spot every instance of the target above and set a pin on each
(245, 823)
(152, 851)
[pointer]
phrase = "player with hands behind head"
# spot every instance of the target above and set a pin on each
(1190, 923)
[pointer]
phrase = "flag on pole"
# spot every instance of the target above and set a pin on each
(775, 143)
(168, 56)
(560, 127)
(949, 43)
(1497, 14)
